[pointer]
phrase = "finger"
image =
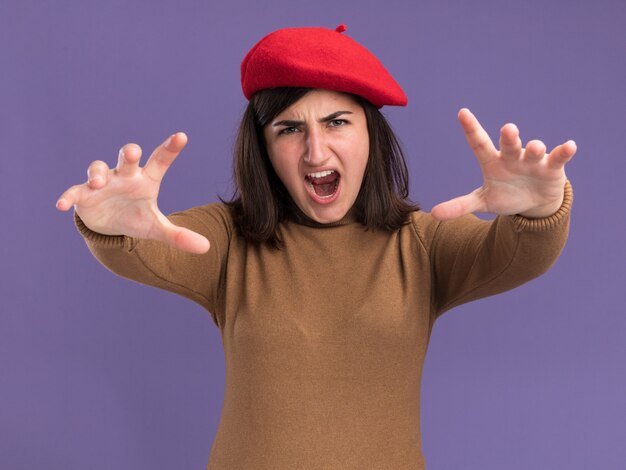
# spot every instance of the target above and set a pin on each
(163, 156)
(458, 207)
(477, 137)
(510, 142)
(97, 174)
(561, 154)
(128, 159)
(184, 239)
(70, 197)
(535, 150)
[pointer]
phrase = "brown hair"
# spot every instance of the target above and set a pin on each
(261, 201)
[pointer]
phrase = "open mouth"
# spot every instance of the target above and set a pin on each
(323, 186)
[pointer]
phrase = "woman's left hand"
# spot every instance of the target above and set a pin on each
(516, 180)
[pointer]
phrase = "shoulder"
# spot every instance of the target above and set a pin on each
(211, 212)
(214, 218)
(429, 230)
(423, 226)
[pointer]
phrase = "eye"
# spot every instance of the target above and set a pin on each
(338, 122)
(288, 130)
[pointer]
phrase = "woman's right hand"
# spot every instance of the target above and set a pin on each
(123, 201)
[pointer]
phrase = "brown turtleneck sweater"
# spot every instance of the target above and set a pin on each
(325, 339)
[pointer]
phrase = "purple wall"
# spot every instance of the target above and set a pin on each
(98, 372)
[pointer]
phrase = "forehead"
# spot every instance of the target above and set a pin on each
(320, 102)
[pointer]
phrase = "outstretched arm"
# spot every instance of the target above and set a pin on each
(116, 212)
(123, 200)
(524, 181)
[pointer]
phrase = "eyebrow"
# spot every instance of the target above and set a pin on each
(292, 123)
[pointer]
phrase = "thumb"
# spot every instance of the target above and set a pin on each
(457, 207)
(184, 239)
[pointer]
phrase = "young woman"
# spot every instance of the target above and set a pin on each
(324, 280)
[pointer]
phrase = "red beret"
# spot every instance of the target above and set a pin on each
(318, 58)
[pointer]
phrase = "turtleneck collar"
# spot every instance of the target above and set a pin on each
(299, 217)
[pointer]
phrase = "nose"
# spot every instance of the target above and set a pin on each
(317, 151)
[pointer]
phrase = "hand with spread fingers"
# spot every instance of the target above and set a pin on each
(123, 201)
(525, 181)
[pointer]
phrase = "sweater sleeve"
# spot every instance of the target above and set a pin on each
(198, 277)
(473, 258)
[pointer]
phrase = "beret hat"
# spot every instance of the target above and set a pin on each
(318, 58)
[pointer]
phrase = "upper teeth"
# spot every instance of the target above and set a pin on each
(319, 174)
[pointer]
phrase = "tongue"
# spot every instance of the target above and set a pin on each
(324, 186)
(324, 189)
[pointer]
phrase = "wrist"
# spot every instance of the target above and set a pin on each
(543, 211)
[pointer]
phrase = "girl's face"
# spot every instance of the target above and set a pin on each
(319, 148)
